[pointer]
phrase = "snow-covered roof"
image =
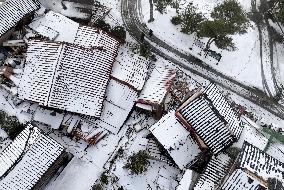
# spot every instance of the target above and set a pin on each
(55, 26)
(117, 106)
(251, 135)
(48, 117)
(157, 86)
(215, 171)
(62, 29)
(207, 123)
(131, 69)
(66, 76)
(175, 139)
(186, 180)
(12, 11)
(239, 180)
(223, 107)
(260, 163)
(27, 158)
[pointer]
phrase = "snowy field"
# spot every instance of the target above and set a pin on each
(244, 64)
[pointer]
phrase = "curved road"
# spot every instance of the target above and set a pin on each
(130, 15)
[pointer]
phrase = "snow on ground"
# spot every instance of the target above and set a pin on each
(159, 174)
(241, 64)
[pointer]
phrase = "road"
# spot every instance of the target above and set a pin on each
(130, 15)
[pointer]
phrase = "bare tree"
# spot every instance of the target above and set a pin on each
(151, 11)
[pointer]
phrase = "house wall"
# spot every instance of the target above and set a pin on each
(6, 36)
(45, 178)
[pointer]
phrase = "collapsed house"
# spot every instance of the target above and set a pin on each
(30, 160)
(12, 12)
(157, 87)
(209, 117)
(255, 169)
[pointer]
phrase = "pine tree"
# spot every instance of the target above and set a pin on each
(190, 19)
(228, 19)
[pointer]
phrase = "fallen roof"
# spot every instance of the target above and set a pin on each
(175, 139)
(157, 86)
(117, 106)
(131, 69)
(239, 180)
(260, 164)
(27, 158)
(207, 123)
(215, 171)
(66, 77)
(12, 11)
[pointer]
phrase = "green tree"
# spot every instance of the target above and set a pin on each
(119, 32)
(228, 19)
(190, 19)
(10, 125)
(138, 163)
(161, 5)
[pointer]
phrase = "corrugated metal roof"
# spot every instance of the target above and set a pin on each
(12, 11)
(27, 158)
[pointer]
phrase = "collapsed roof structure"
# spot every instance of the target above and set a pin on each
(210, 119)
(30, 160)
(12, 12)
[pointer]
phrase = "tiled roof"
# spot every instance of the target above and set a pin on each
(66, 77)
(131, 69)
(239, 180)
(205, 120)
(157, 86)
(117, 106)
(221, 104)
(260, 164)
(215, 171)
(27, 158)
(12, 11)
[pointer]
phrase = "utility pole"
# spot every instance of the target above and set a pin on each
(151, 11)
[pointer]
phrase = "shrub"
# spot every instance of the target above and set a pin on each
(119, 32)
(145, 50)
(104, 178)
(176, 20)
(103, 25)
(161, 5)
(138, 163)
(233, 152)
(10, 125)
(97, 187)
